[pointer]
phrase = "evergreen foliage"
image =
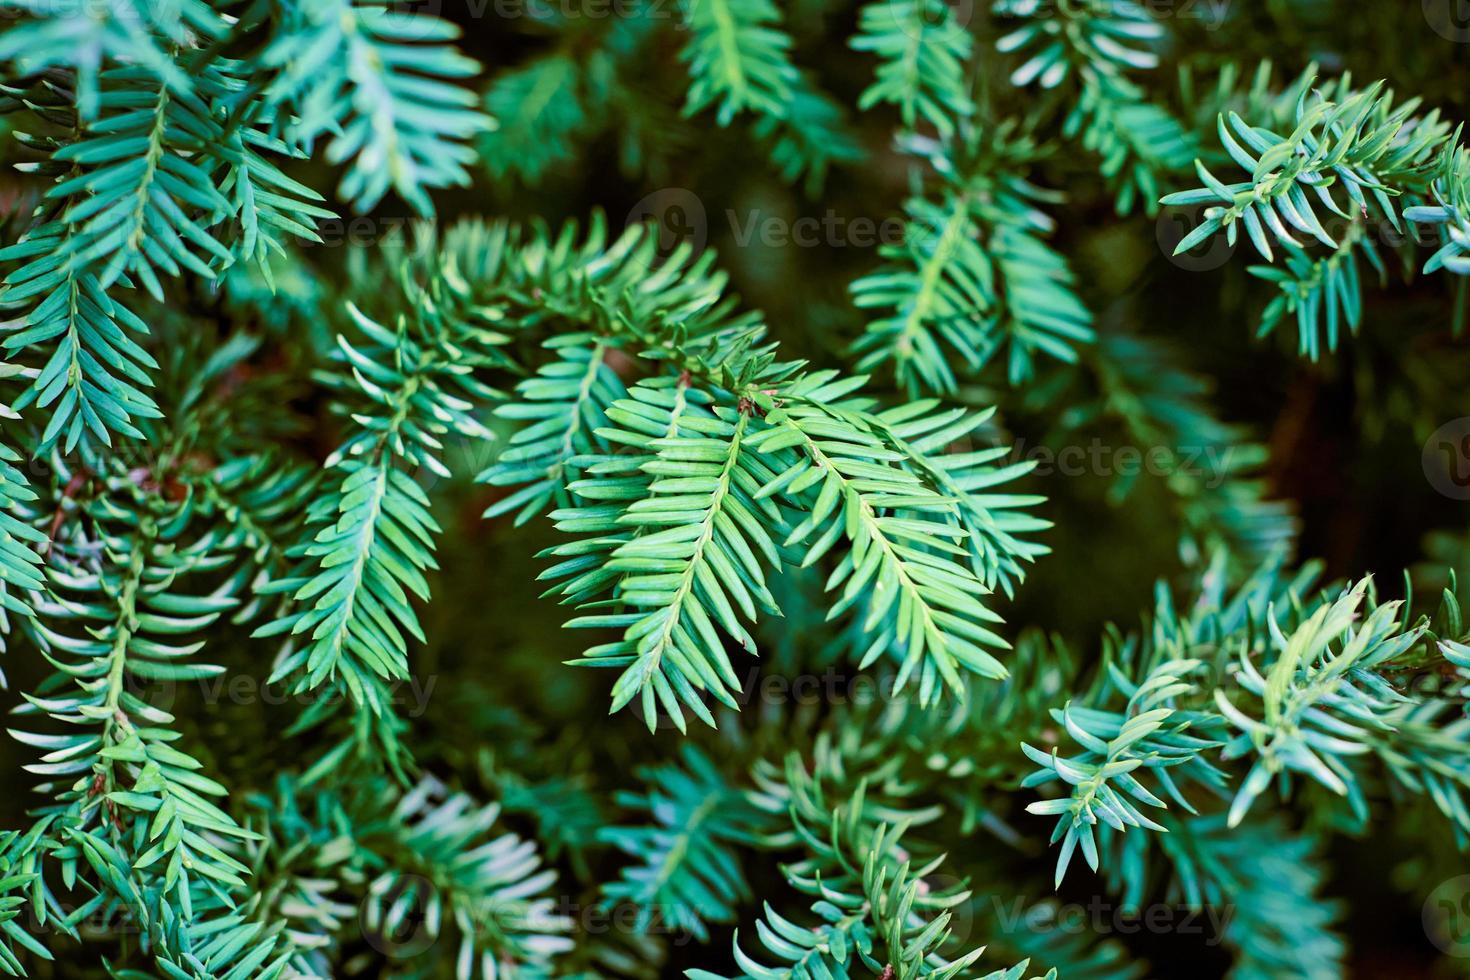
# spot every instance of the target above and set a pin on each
(336, 330)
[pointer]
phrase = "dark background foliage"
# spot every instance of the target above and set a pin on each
(1345, 434)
